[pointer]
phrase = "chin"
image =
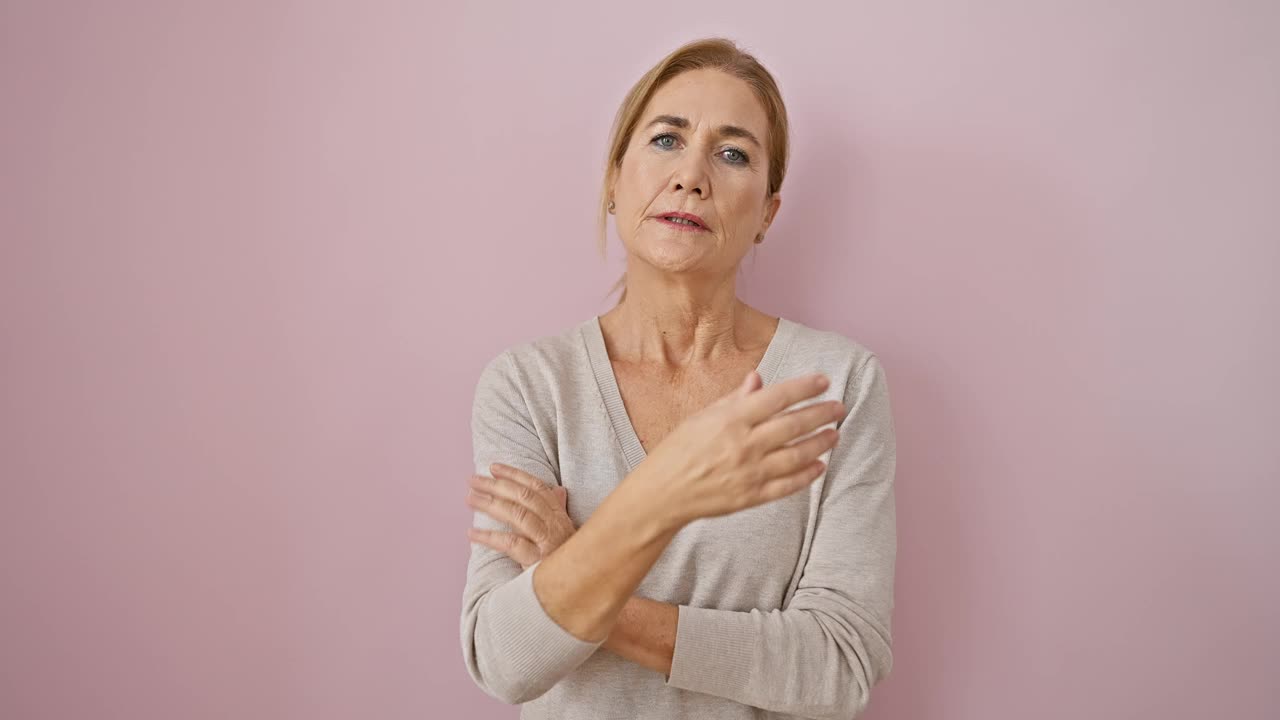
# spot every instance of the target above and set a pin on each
(674, 250)
(674, 259)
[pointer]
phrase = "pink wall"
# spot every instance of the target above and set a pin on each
(255, 254)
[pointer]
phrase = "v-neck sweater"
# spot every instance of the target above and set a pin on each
(784, 608)
(607, 382)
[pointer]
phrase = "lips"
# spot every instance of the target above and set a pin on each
(683, 221)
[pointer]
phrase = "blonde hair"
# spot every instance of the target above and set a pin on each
(710, 53)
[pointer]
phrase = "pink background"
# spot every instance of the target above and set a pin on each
(255, 254)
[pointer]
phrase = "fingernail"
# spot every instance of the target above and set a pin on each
(823, 382)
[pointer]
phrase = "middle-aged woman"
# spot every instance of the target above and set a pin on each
(652, 482)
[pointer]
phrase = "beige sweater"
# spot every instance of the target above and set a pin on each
(783, 608)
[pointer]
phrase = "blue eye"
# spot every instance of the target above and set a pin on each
(658, 140)
(731, 155)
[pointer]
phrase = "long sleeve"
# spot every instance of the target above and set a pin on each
(513, 650)
(821, 654)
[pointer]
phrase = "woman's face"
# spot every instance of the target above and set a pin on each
(698, 150)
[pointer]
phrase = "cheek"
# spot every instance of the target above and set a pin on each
(642, 177)
(741, 205)
(742, 187)
(644, 165)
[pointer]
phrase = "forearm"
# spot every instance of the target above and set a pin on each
(585, 583)
(645, 633)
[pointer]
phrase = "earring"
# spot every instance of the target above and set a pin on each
(760, 238)
(610, 206)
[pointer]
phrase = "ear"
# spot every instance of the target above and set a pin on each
(771, 209)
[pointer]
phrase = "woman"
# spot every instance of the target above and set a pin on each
(651, 482)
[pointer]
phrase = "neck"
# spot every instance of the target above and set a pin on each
(678, 319)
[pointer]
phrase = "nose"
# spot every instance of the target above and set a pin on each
(691, 176)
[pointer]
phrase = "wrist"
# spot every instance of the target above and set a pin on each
(655, 509)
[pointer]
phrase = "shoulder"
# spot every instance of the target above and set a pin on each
(815, 349)
(857, 376)
(545, 358)
(555, 349)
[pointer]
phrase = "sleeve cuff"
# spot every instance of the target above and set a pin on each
(714, 651)
(538, 646)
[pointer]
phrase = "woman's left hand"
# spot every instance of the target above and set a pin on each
(537, 512)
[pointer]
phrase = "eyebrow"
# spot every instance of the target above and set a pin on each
(725, 130)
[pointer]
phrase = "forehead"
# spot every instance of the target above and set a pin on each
(709, 97)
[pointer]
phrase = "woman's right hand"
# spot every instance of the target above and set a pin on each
(738, 452)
